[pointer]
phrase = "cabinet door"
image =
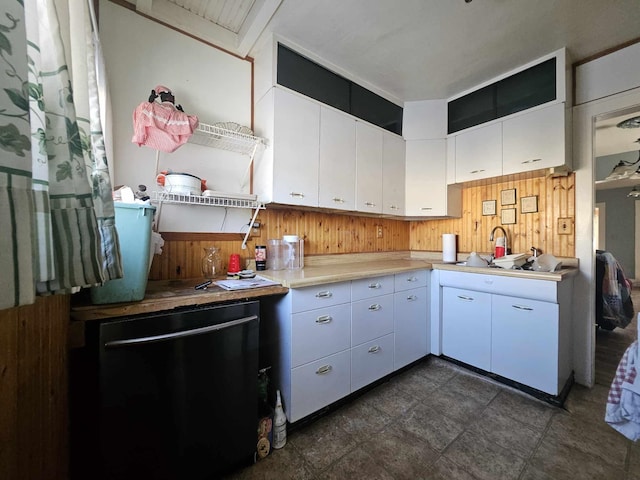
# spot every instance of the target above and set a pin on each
(368, 168)
(337, 169)
(426, 182)
(479, 153)
(534, 140)
(393, 168)
(371, 361)
(296, 149)
(524, 342)
(466, 326)
(318, 384)
(410, 323)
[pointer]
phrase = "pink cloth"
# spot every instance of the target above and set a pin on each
(162, 126)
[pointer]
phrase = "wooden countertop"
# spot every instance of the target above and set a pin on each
(167, 295)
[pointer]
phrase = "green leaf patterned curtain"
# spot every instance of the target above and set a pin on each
(56, 210)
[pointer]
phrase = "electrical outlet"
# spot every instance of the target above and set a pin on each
(565, 226)
(379, 231)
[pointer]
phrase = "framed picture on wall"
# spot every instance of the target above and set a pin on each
(508, 216)
(489, 207)
(508, 197)
(529, 204)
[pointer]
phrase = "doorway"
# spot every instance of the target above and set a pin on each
(614, 222)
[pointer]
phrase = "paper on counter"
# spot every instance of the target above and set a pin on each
(245, 283)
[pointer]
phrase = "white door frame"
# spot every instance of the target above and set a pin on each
(584, 332)
(601, 226)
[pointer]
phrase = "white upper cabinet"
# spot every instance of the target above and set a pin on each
(368, 168)
(535, 140)
(478, 153)
(287, 172)
(393, 174)
(427, 193)
(337, 171)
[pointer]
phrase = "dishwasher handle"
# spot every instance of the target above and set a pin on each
(180, 334)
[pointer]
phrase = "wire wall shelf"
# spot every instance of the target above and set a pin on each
(225, 200)
(223, 138)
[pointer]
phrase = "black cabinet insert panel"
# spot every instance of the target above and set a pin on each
(313, 80)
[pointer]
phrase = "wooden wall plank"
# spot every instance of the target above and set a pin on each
(34, 418)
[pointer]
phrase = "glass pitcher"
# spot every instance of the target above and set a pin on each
(211, 263)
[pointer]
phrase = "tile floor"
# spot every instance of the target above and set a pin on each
(440, 421)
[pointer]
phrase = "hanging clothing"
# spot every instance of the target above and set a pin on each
(617, 305)
(623, 403)
(162, 126)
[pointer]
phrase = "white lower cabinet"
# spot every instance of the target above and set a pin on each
(466, 326)
(525, 341)
(517, 328)
(327, 341)
(410, 313)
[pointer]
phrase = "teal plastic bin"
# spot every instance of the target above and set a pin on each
(133, 224)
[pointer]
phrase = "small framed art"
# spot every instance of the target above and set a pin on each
(508, 216)
(529, 204)
(489, 207)
(508, 197)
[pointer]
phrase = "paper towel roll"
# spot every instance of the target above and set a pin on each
(449, 247)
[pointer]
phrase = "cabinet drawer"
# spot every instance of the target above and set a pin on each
(408, 280)
(545, 290)
(310, 298)
(371, 318)
(318, 384)
(318, 333)
(371, 361)
(371, 287)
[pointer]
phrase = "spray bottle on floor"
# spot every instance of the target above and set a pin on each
(279, 424)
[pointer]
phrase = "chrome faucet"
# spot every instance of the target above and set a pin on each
(535, 251)
(506, 238)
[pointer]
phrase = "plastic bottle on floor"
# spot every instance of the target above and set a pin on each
(279, 424)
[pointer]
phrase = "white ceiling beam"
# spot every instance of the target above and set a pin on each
(255, 23)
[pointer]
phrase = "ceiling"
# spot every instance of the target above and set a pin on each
(412, 49)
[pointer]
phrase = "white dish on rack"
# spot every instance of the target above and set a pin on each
(244, 196)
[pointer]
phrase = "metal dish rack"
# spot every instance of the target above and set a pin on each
(225, 139)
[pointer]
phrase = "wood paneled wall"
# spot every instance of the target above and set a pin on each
(34, 417)
(556, 199)
(323, 233)
(327, 233)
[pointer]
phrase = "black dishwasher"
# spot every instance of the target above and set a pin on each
(177, 393)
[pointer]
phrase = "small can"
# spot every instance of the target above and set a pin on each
(261, 257)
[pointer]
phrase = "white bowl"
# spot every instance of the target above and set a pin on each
(476, 260)
(546, 263)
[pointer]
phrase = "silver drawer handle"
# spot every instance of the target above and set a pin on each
(338, 200)
(393, 207)
(323, 370)
(464, 297)
(324, 319)
(374, 349)
(375, 285)
(375, 307)
(324, 294)
(369, 204)
(532, 161)
(412, 279)
(522, 307)
(477, 171)
(426, 208)
(412, 298)
(296, 194)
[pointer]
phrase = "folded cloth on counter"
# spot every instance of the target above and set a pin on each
(245, 283)
(162, 126)
(623, 403)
